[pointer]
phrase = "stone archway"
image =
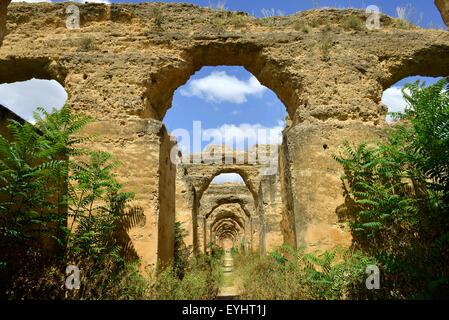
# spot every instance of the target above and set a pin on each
(234, 212)
(218, 196)
(161, 85)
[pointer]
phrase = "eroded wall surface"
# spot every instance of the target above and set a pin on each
(125, 62)
(3, 5)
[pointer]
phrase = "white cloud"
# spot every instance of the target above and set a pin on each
(228, 178)
(241, 137)
(24, 97)
(394, 100)
(221, 87)
(251, 134)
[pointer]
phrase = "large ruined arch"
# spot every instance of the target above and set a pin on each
(328, 100)
(160, 86)
(21, 69)
(16, 72)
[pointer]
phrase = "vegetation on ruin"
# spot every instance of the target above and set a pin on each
(288, 274)
(352, 22)
(56, 212)
(397, 196)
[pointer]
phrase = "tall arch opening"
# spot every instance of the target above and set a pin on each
(221, 118)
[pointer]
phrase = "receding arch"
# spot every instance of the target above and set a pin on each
(221, 202)
(224, 211)
(226, 222)
(232, 217)
(246, 225)
(220, 170)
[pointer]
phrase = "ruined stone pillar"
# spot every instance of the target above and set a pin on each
(247, 235)
(208, 238)
(202, 234)
(186, 212)
(255, 226)
(143, 146)
(318, 202)
(271, 209)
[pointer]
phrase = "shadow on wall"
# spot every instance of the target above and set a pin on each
(134, 217)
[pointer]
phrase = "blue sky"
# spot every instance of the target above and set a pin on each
(226, 99)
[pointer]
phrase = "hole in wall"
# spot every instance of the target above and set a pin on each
(228, 178)
(24, 97)
(393, 97)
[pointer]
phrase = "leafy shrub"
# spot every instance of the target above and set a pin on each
(287, 274)
(200, 281)
(399, 190)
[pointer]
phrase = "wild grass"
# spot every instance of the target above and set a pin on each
(286, 274)
(85, 43)
(352, 23)
(299, 26)
(158, 17)
(325, 44)
(237, 20)
(107, 280)
(269, 16)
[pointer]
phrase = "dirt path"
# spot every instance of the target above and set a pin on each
(229, 289)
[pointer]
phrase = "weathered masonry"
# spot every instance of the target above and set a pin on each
(125, 62)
